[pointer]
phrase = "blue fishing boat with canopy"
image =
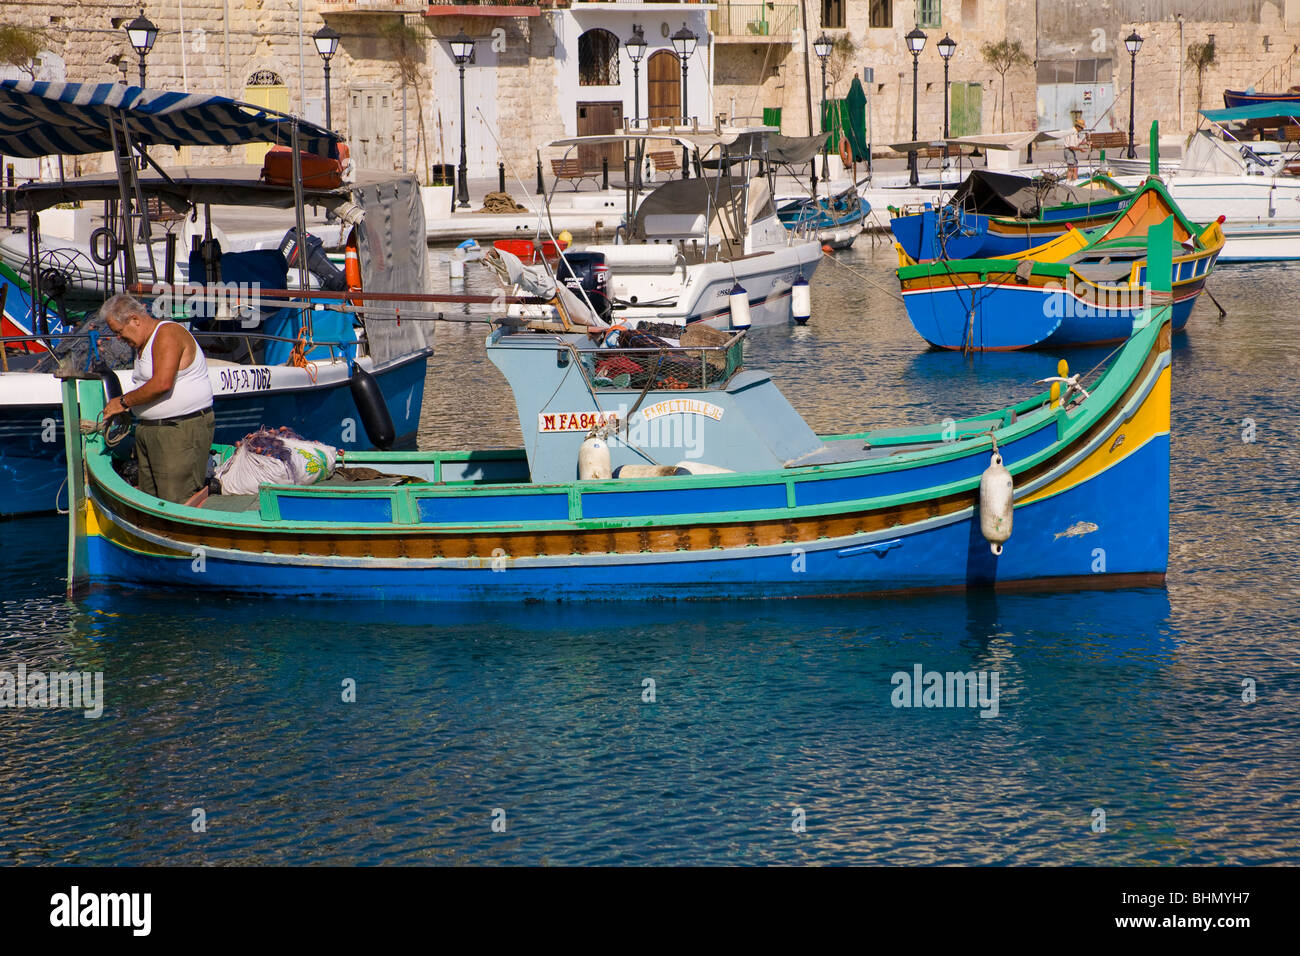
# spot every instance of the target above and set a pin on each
(285, 345)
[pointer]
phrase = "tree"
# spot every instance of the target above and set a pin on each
(1002, 56)
(20, 47)
(1200, 57)
(406, 46)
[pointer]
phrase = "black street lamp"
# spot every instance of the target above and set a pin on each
(947, 47)
(636, 52)
(822, 46)
(142, 34)
(1132, 43)
(684, 43)
(462, 48)
(327, 41)
(915, 44)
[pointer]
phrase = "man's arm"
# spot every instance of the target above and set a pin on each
(168, 348)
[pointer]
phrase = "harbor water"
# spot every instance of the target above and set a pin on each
(1152, 726)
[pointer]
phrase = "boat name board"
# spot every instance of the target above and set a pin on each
(574, 421)
(248, 379)
(685, 406)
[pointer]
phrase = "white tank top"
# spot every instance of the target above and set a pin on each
(191, 392)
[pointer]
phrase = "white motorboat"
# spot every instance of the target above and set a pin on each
(1250, 184)
(689, 244)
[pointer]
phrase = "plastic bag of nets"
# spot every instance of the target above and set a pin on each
(275, 456)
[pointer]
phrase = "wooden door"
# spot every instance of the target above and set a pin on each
(965, 109)
(593, 120)
(372, 126)
(664, 88)
(272, 96)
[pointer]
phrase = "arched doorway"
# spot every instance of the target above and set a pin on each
(264, 88)
(664, 88)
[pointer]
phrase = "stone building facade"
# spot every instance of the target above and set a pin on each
(550, 68)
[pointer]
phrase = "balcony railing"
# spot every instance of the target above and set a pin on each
(753, 22)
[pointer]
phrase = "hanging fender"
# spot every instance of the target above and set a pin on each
(375, 417)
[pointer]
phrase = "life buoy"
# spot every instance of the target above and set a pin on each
(103, 246)
(846, 151)
(352, 266)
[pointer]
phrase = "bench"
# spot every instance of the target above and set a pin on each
(572, 170)
(159, 211)
(664, 160)
(1115, 140)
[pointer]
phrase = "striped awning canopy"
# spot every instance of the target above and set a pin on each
(49, 119)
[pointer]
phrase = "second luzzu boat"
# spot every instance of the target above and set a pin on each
(671, 471)
(1085, 288)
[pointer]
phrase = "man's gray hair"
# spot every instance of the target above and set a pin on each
(119, 309)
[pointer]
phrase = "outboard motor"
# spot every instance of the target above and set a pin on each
(587, 271)
(330, 276)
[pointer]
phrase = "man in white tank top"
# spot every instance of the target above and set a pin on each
(172, 400)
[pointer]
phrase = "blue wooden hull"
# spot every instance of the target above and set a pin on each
(950, 554)
(1008, 317)
(956, 234)
(32, 470)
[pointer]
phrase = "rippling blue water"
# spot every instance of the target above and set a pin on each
(1129, 702)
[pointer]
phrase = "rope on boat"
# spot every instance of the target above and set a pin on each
(863, 276)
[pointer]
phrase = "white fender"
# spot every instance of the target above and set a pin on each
(738, 300)
(801, 301)
(996, 504)
(593, 459)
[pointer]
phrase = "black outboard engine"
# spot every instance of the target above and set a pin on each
(587, 271)
(330, 276)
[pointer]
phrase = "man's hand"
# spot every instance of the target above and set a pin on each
(114, 407)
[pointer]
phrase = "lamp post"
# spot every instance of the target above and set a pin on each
(462, 48)
(142, 34)
(327, 41)
(822, 46)
(915, 44)
(684, 43)
(635, 52)
(947, 47)
(1132, 43)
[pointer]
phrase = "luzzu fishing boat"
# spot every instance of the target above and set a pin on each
(998, 214)
(1067, 489)
(1085, 288)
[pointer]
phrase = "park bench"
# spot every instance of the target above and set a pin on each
(1115, 140)
(571, 169)
(664, 160)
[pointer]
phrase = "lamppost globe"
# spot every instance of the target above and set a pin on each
(636, 44)
(684, 41)
(916, 41)
(327, 41)
(1133, 43)
(142, 34)
(822, 46)
(462, 50)
(947, 47)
